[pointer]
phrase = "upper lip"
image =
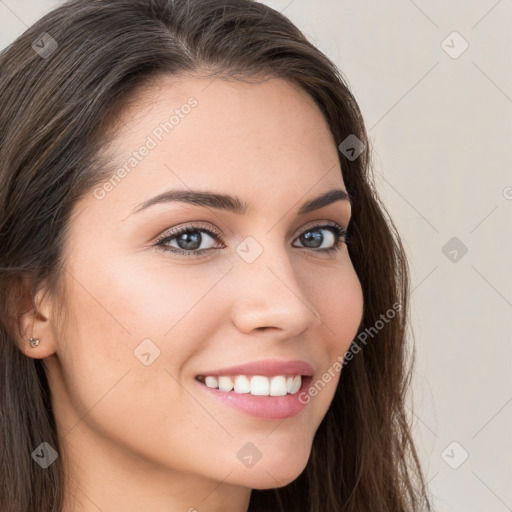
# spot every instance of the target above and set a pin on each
(266, 368)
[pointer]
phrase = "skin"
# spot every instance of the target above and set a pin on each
(136, 436)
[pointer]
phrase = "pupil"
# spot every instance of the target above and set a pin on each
(314, 236)
(188, 240)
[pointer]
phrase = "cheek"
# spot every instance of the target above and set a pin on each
(155, 298)
(143, 297)
(337, 295)
(346, 308)
(141, 320)
(338, 298)
(345, 313)
(110, 391)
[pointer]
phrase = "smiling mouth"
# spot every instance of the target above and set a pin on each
(258, 385)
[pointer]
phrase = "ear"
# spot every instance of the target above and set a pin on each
(35, 321)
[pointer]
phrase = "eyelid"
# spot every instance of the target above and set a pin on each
(195, 224)
(208, 226)
(321, 223)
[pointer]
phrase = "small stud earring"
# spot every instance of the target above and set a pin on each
(33, 342)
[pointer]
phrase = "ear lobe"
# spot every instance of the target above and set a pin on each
(35, 322)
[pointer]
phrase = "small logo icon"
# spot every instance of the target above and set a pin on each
(146, 352)
(351, 147)
(454, 455)
(45, 45)
(454, 45)
(249, 454)
(45, 455)
(454, 249)
(249, 249)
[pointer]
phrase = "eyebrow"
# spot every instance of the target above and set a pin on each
(232, 203)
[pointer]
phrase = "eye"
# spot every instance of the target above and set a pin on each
(189, 239)
(313, 239)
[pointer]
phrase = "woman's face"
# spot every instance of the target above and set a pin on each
(144, 322)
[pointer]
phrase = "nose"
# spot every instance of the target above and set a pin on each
(270, 298)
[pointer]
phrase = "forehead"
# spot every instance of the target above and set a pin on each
(247, 139)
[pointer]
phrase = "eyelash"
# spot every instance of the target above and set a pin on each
(339, 233)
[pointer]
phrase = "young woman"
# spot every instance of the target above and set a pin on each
(203, 300)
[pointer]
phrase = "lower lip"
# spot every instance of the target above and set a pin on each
(266, 407)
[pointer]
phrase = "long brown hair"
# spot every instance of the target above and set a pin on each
(59, 84)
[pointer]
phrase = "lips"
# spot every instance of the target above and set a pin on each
(265, 367)
(261, 407)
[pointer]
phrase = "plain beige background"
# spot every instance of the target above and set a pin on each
(438, 108)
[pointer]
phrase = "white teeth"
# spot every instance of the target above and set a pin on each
(297, 381)
(278, 385)
(242, 384)
(225, 384)
(260, 385)
(211, 382)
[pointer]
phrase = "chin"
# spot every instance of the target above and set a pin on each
(271, 474)
(278, 479)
